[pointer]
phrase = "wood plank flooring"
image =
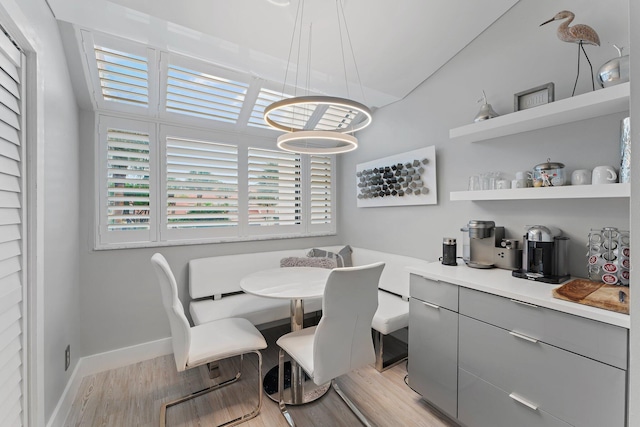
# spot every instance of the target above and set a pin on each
(132, 396)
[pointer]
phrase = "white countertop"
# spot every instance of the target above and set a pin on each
(500, 282)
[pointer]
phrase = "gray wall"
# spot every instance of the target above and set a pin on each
(513, 55)
(57, 166)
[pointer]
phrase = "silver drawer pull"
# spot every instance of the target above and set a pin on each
(524, 337)
(524, 303)
(428, 304)
(524, 402)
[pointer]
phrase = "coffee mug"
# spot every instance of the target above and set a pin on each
(502, 184)
(581, 177)
(518, 183)
(604, 175)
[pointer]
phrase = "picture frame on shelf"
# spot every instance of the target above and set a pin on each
(534, 97)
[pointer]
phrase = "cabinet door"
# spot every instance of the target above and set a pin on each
(573, 388)
(433, 354)
(483, 405)
(590, 338)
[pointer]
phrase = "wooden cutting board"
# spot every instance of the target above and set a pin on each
(594, 294)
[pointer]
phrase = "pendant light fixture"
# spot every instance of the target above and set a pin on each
(318, 124)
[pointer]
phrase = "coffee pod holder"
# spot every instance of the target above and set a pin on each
(608, 256)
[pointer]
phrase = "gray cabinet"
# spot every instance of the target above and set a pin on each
(573, 388)
(433, 343)
(491, 361)
(552, 365)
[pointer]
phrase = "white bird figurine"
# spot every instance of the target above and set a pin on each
(580, 34)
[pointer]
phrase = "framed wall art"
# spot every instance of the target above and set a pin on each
(539, 95)
(399, 180)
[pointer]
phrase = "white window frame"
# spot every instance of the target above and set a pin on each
(89, 40)
(167, 59)
(169, 235)
(103, 235)
(280, 230)
(158, 234)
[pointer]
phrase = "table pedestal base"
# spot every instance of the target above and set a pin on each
(311, 391)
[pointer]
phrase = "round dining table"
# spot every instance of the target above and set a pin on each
(294, 284)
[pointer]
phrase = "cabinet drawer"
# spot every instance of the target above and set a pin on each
(442, 294)
(483, 405)
(433, 354)
(590, 338)
(573, 388)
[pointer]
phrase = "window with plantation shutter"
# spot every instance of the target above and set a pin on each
(123, 76)
(127, 180)
(321, 192)
(201, 185)
(167, 185)
(13, 356)
(275, 188)
(203, 95)
(126, 204)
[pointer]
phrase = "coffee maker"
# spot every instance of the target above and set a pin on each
(544, 255)
(480, 240)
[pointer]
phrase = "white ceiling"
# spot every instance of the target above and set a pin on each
(397, 44)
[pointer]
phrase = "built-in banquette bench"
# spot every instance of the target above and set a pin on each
(214, 286)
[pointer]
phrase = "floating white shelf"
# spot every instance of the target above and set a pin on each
(564, 192)
(601, 102)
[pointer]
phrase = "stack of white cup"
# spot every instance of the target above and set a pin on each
(522, 179)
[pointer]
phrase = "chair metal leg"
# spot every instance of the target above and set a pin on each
(350, 404)
(214, 370)
(378, 344)
(233, 422)
(281, 405)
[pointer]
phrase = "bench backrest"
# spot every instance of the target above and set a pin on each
(395, 277)
(219, 275)
(213, 276)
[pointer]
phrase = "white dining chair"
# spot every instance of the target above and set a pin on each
(341, 342)
(206, 343)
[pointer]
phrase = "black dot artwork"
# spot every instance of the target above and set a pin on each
(399, 180)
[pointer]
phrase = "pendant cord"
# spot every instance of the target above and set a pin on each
(344, 62)
(353, 56)
(293, 37)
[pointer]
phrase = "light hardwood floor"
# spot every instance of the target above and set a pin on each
(132, 396)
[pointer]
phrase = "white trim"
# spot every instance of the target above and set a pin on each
(18, 25)
(91, 365)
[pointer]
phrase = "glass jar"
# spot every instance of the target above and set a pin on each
(549, 174)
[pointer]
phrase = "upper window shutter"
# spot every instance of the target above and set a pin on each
(13, 357)
(123, 74)
(321, 193)
(275, 193)
(126, 184)
(124, 77)
(201, 186)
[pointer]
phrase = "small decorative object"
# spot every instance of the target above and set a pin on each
(625, 150)
(403, 179)
(580, 34)
(486, 111)
(615, 71)
(530, 98)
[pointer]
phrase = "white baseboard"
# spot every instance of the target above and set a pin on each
(96, 363)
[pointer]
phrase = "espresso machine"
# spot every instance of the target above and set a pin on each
(481, 239)
(544, 255)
